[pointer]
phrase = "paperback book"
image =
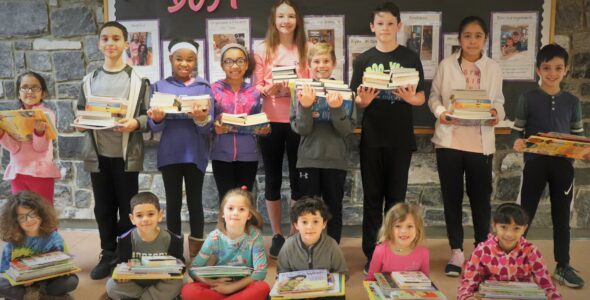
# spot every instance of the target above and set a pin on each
(510, 290)
(124, 271)
(20, 124)
(257, 124)
(411, 280)
(336, 287)
(115, 106)
(222, 271)
(96, 120)
(558, 144)
(39, 267)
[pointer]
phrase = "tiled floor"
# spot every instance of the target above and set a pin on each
(84, 244)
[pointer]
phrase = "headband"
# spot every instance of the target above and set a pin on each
(232, 46)
(183, 45)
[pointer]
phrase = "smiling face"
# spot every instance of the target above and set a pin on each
(234, 64)
(472, 39)
(112, 43)
(285, 19)
(183, 63)
(236, 213)
(310, 227)
(146, 217)
(508, 234)
(321, 66)
(28, 220)
(385, 26)
(404, 232)
(552, 72)
(30, 91)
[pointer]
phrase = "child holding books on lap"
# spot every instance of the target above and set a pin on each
(387, 138)
(506, 256)
(322, 156)
(234, 156)
(284, 45)
(146, 239)
(28, 225)
(237, 241)
(465, 153)
(547, 109)
(31, 164)
(398, 247)
(183, 151)
(311, 248)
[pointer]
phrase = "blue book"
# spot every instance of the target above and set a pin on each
(321, 110)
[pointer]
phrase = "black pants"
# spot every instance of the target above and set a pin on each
(273, 147)
(559, 173)
(329, 185)
(173, 175)
(57, 286)
(453, 167)
(229, 175)
(112, 188)
(384, 174)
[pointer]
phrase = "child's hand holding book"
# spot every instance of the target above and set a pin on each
(307, 96)
(334, 100)
(40, 127)
(127, 125)
(156, 114)
(365, 95)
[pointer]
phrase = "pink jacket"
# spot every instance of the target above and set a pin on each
(33, 158)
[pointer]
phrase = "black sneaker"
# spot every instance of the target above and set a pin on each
(452, 270)
(105, 266)
(567, 275)
(277, 243)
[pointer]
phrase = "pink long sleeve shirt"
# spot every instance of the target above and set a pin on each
(384, 261)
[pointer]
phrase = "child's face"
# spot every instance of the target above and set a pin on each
(472, 40)
(146, 217)
(516, 37)
(322, 66)
(30, 91)
(508, 234)
(404, 232)
(552, 72)
(112, 43)
(385, 26)
(28, 220)
(235, 64)
(310, 227)
(509, 42)
(285, 19)
(183, 63)
(236, 213)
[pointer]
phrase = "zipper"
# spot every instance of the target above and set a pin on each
(235, 134)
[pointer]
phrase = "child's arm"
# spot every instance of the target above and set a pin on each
(497, 96)
(435, 101)
(342, 123)
(300, 113)
(40, 141)
(6, 257)
(338, 264)
(520, 121)
(283, 263)
(425, 265)
(577, 125)
(471, 277)
(209, 248)
(205, 123)
(156, 117)
(232, 287)
(376, 264)
(81, 104)
(541, 274)
(259, 263)
(9, 143)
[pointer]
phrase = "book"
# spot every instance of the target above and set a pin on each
(124, 271)
(159, 260)
(38, 267)
(556, 144)
(20, 124)
(244, 119)
(469, 94)
(302, 281)
(336, 281)
(116, 106)
(373, 291)
(187, 102)
(321, 111)
(137, 266)
(411, 279)
(510, 290)
(283, 73)
(166, 102)
(222, 271)
(96, 120)
(417, 295)
(44, 259)
(21, 282)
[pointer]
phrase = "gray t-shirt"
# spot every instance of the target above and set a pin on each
(159, 246)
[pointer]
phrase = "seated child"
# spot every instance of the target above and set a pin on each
(399, 238)
(146, 239)
(506, 256)
(28, 225)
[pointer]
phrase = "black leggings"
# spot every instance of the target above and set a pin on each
(235, 174)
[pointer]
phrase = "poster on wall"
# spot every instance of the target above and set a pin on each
(421, 33)
(328, 29)
(358, 44)
(514, 42)
(451, 44)
(167, 67)
(143, 52)
(221, 32)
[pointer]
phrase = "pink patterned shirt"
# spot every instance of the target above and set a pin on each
(385, 260)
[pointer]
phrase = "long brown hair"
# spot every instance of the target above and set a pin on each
(272, 40)
(255, 220)
(10, 230)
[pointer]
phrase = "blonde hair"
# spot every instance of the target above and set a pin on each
(399, 213)
(321, 49)
(255, 220)
(272, 40)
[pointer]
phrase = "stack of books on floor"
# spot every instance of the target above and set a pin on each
(101, 113)
(40, 267)
(166, 102)
(389, 81)
(471, 108)
(285, 73)
(559, 144)
(308, 284)
(222, 271)
(150, 267)
(244, 123)
(402, 285)
(20, 124)
(510, 290)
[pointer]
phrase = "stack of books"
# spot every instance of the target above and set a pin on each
(285, 73)
(40, 267)
(187, 102)
(244, 123)
(320, 109)
(378, 80)
(510, 290)
(404, 76)
(403, 285)
(559, 144)
(308, 284)
(471, 108)
(173, 104)
(20, 124)
(150, 267)
(222, 271)
(389, 81)
(101, 113)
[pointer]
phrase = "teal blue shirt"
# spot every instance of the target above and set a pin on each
(31, 246)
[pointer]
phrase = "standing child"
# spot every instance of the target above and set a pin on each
(310, 248)
(28, 225)
(399, 238)
(115, 156)
(146, 239)
(387, 138)
(285, 45)
(465, 153)
(234, 156)
(183, 151)
(237, 241)
(322, 158)
(546, 109)
(506, 256)
(31, 164)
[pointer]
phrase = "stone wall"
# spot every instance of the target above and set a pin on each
(58, 38)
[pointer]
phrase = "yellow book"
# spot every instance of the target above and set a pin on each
(337, 283)
(123, 271)
(20, 124)
(14, 283)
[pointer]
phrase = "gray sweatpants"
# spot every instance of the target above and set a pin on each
(160, 290)
(52, 287)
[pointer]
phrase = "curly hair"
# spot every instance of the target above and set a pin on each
(10, 229)
(309, 205)
(256, 219)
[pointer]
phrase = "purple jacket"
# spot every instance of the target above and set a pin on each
(182, 140)
(232, 146)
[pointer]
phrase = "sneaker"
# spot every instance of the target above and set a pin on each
(366, 268)
(105, 266)
(567, 275)
(453, 267)
(277, 243)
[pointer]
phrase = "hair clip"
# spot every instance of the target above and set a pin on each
(244, 188)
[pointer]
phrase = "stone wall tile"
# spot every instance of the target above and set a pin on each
(23, 17)
(72, 21)
(39, 61)
(68, 65)
(568, 15)
(6, 59)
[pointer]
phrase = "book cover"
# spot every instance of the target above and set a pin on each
(557, 147)
(123, 271)
(222, 271)
(373, 291)
(159, 260)
(410, 279)
(44, 259)
(469, 94)
(20, 124)
(417, 295)
(321, 111)
(244, 119)
(386, 282)
(336, 282)
(114, 106)
(29, 281)
(302, 281)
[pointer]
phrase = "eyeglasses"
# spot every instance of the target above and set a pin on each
(228, 62)
(34, 89)
(24, 218)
